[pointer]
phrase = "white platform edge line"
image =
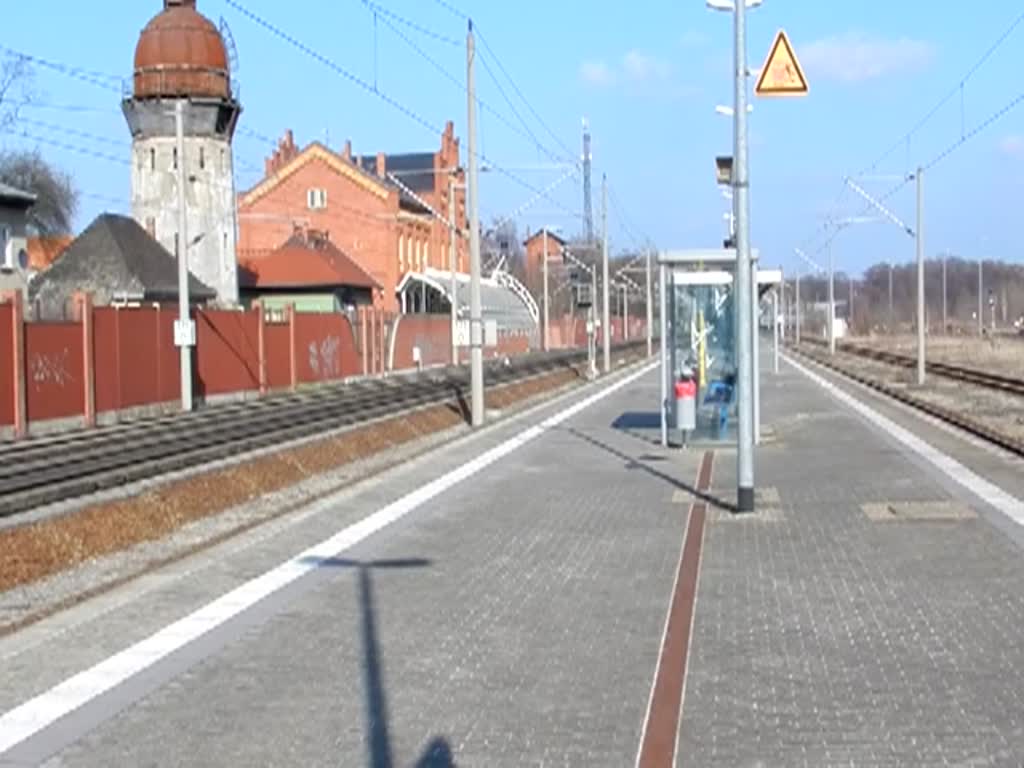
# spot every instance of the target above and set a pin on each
(29, 718)
(985, 490)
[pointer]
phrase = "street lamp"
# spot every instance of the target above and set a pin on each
(746, 287)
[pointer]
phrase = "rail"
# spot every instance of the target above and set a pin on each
(50, 469)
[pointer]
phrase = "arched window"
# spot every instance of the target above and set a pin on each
(401, 253)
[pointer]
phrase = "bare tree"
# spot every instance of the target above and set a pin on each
(16, 77)
(57, 195)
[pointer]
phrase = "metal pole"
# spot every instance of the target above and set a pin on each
(755, 344)
(606, 338)
(944, 326)
(849, 307)
(475, 311)
(744, 284)
(831, 304)
(650, 309)
(798, 308)
(544, 271)
(663, 323)
(184, 318)
(775, 331)
(453, 266)
(920, 278)
(981, 293)
(626, 314)
(592, 335)
(891, 319)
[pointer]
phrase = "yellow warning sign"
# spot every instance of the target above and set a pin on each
(781, 74)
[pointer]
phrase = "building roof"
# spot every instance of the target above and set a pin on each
(306, 259)
(316, 151)
(551, 236)
(181, 53)
(414, 169)
(116, 256)
(497, 302)
(43, 251)
(12, 196)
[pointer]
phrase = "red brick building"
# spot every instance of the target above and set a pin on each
(360, 203)
(534, 255)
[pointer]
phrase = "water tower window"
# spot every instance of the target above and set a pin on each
(152, 159)
(202, 158)
(174, 160)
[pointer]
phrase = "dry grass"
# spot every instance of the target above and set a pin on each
(48, 546)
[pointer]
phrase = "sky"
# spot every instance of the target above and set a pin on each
(647, 76)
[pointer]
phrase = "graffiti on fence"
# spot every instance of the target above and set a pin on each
(324, 360)
(49, 368)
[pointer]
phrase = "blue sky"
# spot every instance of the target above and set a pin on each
(646, 74)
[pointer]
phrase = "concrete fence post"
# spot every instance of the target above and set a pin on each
(83, 307)
(17, 303)
(261, 345)
(293, 359)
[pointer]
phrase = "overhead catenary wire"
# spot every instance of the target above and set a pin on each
(360, 82)
(904, 139)
(523, 131)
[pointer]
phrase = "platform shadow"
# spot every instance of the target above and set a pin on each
(639, 463)
(641, 425)
(438, 753)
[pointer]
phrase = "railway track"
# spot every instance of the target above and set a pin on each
(958, 372)
(948, 415)
(67, 466)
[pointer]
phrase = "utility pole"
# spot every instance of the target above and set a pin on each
(650, 309)
(981, 294)
(849, 307)
(891, 318)
(185, 332)
(625, 314)
(606, 339)
(592, 334)
(744, 281)
(831, 304)
(798, 307)
(920, 278)
(944, 326)
(453, 266)
(588, 208)
(775, 330)
(544, 271)
(475, 311)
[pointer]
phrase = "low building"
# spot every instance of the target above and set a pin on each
(312, 273)
(377, 208)
(119, 263)
(14, 261)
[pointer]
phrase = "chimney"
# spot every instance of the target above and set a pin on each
(381, 165)
(348, 149)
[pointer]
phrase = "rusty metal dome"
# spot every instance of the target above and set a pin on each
(181, 53)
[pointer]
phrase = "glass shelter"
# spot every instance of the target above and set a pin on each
(699, 366)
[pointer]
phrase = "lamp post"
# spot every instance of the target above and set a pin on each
(745, 285)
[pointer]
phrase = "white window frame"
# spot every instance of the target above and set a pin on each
(316, 199)
(6, 259)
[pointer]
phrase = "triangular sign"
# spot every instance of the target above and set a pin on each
(781, 74)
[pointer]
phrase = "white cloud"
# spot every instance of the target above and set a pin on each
(642, 67)
(597, 73)
(635, 67)
(855, 57)
(1012, 145)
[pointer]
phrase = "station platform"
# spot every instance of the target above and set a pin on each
(561, 590)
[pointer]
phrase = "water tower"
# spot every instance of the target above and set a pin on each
(182, 56)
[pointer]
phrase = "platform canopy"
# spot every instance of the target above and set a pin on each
(431, 291)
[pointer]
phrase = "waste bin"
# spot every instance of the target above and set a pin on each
(685, 393)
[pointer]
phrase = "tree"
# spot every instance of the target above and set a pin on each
(16, 77)
(57, 195)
